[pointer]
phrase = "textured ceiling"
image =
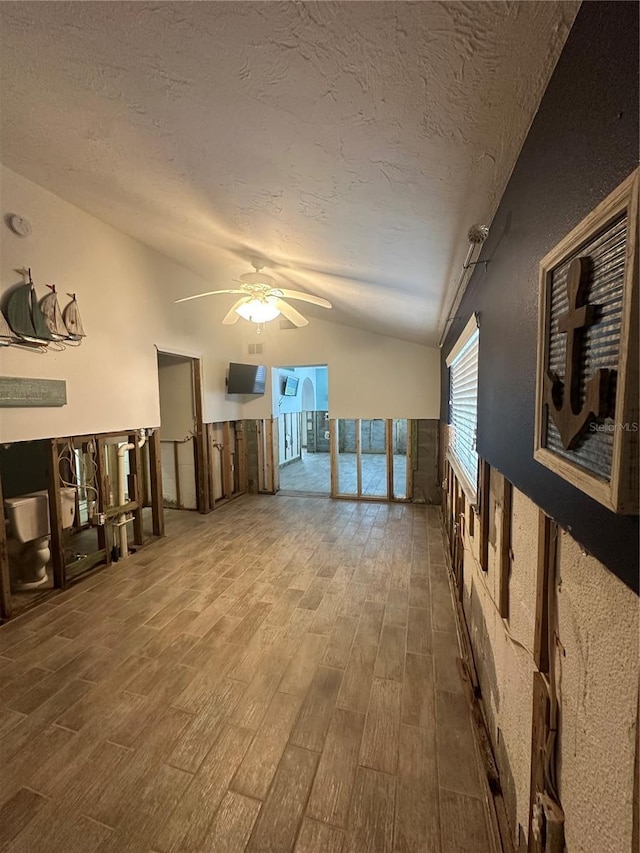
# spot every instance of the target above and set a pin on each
(350, 145)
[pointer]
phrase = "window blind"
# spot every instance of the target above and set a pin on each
(463, 409)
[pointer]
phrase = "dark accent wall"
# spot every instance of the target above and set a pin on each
(582, 144)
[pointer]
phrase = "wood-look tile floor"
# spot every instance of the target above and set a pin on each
(277, 676)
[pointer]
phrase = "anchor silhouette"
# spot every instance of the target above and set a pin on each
(563, 398)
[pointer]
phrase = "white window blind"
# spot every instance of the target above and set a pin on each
(463, 407)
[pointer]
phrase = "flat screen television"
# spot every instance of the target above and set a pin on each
(246, 378)
(290, 386)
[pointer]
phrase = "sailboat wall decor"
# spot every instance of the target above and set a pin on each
(72, 321)
(27, 322)
(53, 315)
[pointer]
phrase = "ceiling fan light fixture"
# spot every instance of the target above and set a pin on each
(258, 311)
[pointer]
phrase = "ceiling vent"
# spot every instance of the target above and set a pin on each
(256, 349)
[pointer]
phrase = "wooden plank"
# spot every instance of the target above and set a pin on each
(319, 838)
(227, 476)
(539, 733)
(281, 814)
(176, 471)
(485, 485)
(259, 765)
(5, 581)
(458, 767)
(419, 631)
(155, 471)
(389, 448)
(17, 812)
(331, 794)
(315, 715)
(505, 547)
(411, 432)
(273, 455)
(211, 484)
(261, 459)
(463, 822)
(241, 457)
(55, 516)
(391, 650)
(358, 429)
(372, 812)
(232, 825)
(104, 530)
(201, 447)
(333, 452)
(358, 678)
(417, 825)
(135, 491)
(418, 692)
(382, 730)
(547, 532)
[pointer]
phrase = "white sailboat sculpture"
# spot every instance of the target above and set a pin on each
(71, 317)
(53, 315)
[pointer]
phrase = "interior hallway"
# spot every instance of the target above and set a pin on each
(277, 676)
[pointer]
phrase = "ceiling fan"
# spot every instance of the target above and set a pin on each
(261, 301)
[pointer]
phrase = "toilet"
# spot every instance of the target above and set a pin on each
(28, 517)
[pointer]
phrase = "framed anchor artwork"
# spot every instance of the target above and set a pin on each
(587, 392)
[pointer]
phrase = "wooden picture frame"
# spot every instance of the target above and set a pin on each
(586, 419)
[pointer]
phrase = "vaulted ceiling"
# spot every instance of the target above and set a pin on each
(347, 145)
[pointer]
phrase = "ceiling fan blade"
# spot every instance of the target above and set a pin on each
(290, 313)
(305, 297)
(231, 317)
(208, 293)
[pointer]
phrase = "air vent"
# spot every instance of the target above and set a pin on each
(256, 349)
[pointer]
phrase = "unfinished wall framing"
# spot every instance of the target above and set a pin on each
(88, 464)
(552, 637)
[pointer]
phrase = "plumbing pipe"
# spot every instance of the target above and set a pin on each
(122, 518)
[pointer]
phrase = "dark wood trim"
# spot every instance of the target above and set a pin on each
(505, 547)
(155, 474)
(55, 516)
(202, 454)
(485, 504)
(389, 442)
(241, 456)
(176, 470)
(227, 476)
(547, 531)
(135, 492)
(5, 581)
(272, 451)
(104, 538)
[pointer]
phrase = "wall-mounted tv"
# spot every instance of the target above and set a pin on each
(290, 386)
(246, 378)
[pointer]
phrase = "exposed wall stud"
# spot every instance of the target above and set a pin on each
(485, 502)
(155, 472)
(505, 547)
(55, 515)
(5, 582)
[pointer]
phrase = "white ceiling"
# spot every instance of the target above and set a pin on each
(350, 144)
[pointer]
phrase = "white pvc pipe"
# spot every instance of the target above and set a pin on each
(122, 518)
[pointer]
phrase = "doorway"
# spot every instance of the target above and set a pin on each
(372, 458)
(301, 399)
(182, 443)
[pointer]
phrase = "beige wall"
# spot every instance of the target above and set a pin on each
(596, 677)
(126, 292)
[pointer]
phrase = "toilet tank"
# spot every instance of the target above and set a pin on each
(29, 514)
